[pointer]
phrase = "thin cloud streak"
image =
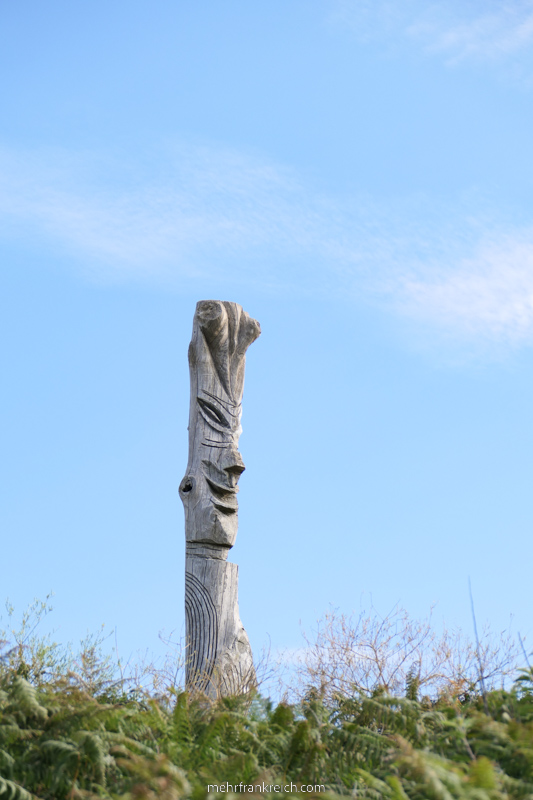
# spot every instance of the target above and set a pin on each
(490, 36)
(208, 206)
(218, 216)
(458, 31)
(489, 295)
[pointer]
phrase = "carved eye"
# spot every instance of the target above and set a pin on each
(212, 413)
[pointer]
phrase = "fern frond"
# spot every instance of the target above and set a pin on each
(13, 791)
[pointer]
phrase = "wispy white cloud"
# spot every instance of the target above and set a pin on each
(493, 34)
(489, 294)
(488, 31)
(218, 216)
(205, 207)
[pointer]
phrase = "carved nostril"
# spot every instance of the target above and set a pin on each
(235, 469)
(186, 485)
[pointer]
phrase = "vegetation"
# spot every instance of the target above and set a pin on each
(349, 652)
(67, 733)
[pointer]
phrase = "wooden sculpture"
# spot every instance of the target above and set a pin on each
(219, 657)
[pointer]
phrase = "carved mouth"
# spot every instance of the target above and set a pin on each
(227, 507)
(224, 498)
(223, 480)
(219, 489)
(222, 489)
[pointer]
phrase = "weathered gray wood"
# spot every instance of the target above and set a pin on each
(219, 657)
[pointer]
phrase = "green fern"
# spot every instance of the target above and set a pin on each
(13, 791)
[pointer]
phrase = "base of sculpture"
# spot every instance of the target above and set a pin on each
(218, 656)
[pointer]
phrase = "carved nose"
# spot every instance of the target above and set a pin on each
(232, 463)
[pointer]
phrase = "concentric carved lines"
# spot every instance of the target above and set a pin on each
(202, 632)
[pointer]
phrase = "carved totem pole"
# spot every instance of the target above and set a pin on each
(219, 657)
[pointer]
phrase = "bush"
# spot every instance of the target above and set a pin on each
(396, 654)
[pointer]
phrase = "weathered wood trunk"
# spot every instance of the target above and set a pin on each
(219, 657)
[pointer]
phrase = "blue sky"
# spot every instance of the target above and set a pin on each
(358, 176)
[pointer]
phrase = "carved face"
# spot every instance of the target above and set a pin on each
(211, 490)
(221, 334)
